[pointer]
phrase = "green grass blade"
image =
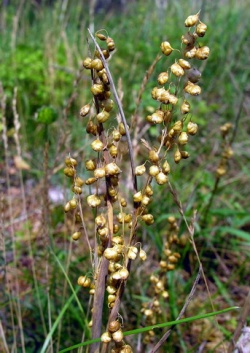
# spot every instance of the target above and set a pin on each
(148, 328)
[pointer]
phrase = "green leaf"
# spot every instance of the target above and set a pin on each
(46, 115)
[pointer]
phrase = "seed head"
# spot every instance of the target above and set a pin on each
(192, 20)
(166, 48)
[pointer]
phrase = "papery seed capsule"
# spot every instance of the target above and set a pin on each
(170, 267)
(137, 197)
(145, 200)
(140, 169)
(162, 78)
(93, 201)
(201, 29)
(190, 53)
(142, 255)
(132, 252)
(149, 190)
(193, 75)
(220, 171)
(228, 153)
(76, 189)
(126, 349)
(114, 326)
(106, 337)
(178, 125)
(177, 156)
(90, 181)
(79, 181)
(192, 20)
(97, 88)
(111, 254)
(192, 128)
(165, 294)
(188, 39)
(157, 117)
(172, 259)
(177, 70)
(112, 169)
(172, 99)
(102, 116)
(107, 104)
(110, 44)
(87, 63)
(184, 64)
(97, 64)
(166, 167)
(185, 107)
(148, 219)
(113, 150)
(67, 207)
(166, 48)
(117, 240)
(112, 191)
(184, 154)
(122, 129)
(85, 110)
(73, 204)
(103, 232)
(154, 170)
(99, 173)
(202, 53)
(83, 281)
(97, 145)
(153, 156)
(192, 89)
(70, 162)
(100, 220)
(116, 135)
(121, 274)
(92, 291)
(161, 178)
(183, 138)
(101, 36)
(117, 336)
(69, 172)
(78, 218)
(111, 289)
(123, 202)
(91, 128)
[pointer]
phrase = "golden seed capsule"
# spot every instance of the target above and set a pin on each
(114, 326)
(117, 336)
(184, 154)
(106, 337)
(172, 99)
(157, 117)
(202, 53)
(192, 128)
(123, 202)
(91, 128)
(184, 64)
(121, 274)
(76, 189)
(110, 44)
(170, 267)
(128, 218)
(97, 145)
(117, 240)
(101, 36)
(185, 107)
(154, 170)
(137, 197)
(166, 48)
(87, 63)
(113, 150)
(78, 218)
(165, 294)
(188, 39)
(161, 178)
(126, 349)
(93, 201)
(116, 135)
(177, 70)
(183, 138)
(220, 171)
(177, 156)
(112, 191)
(70, 162)
(149, 190)
(172, 259)
(83, 281)
(201, 29)
(192, 20)
(102, 117)
(192, 89)
(112, 169)
(100, 220)
(103, 232)
(148, 312)
(69, 172)
(193, 75)
(90, 181)
(178, 125)
(92, 291)
(145, 200)
(190, 54)
(73, 204)
(228, 153)
(166, 167)
(142, 255)
(79, 181)
(99, 173)
(115, 228)
(107, 104)
(132, 252)
(97, 64)
(111, 289)
(122, 129)
(162, 78)
(90, 164)
(67, 207)
(140, 169)
(148, 219)
(111, 254)
(97, 88)
(85, 110)
(153, 156)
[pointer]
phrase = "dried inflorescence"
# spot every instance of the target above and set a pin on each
(118, 216)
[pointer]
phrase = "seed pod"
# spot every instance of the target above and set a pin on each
(149, 190)
(178, 125)
(177, 156)
(97, 64)
(184, 154)
(184, 64)
(190, 53)
(162, 78)
(103, 232)
(177, 70)
(220, 171)
(126, 349)
(102, 116)
(192, 20)
(166, 168)
(116, 135)
(121, 274)
(91, 128)
(117, 336)
(111, 254)
(173, 259)
(85, 110)
(106, 337)
(122, 129)
(137, 197)
(123, 202)
(201, 29)
(153, 156)
(157, 117)
(140, 169)
(83, 281)
(166, 48)
(76, 189)
(99, 173)
(172, 99)
(110, 44)
(113, 150)
(70, 162)
(114, 326)
(90, 181)
(112, 169)
(101, 36)
(145, 200)
(132, 252)
(192, 128)
(161, 178)
(148, 218)
(193, 75)
(107, 104)
(202, 53)
(111, 289)
(79, 181)
(188, 39)
(69, 172)
(87, 63)
(97, 89)
(142, 255)
(183, 138)
(67, 207)
(104, 77)
(185, 107)
(192, 89)
(154, 170)
(93, 201)
(100, 221)
(97, 145)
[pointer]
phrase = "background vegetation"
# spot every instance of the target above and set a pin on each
(41, 51)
